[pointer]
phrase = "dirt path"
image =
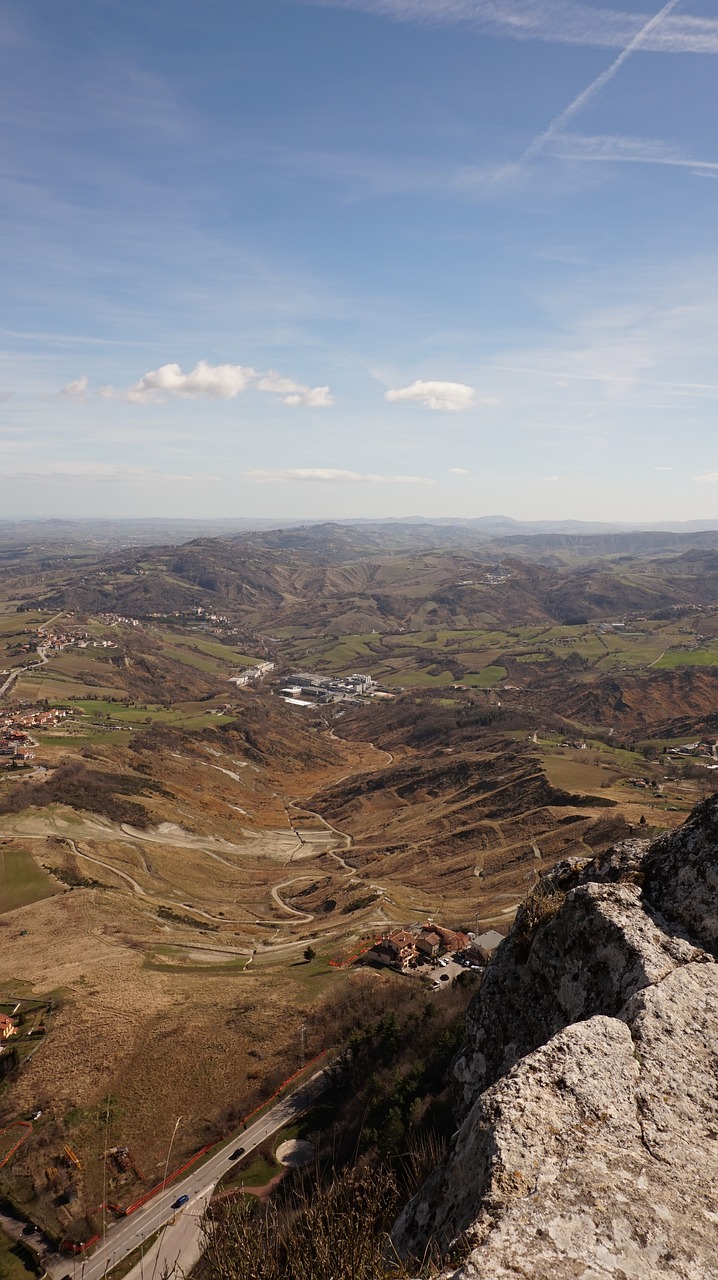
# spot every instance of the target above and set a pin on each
(152, 898)
(305, 915)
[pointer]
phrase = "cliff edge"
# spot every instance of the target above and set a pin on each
(589, 1080)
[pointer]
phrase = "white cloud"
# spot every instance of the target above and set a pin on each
(556, 21)
(76, 390)
(294, 393)
(451, 396)
(710, 477)
(327, 475)
(219, 381)
(664, 468)
(215, 382)
(458, 471)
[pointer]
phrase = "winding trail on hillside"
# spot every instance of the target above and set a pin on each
(152, 898)
(305, 845)
(343, 835)
(306, 916)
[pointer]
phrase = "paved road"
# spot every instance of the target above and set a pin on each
(127, 1234)
(15, 675)
(178, 1249)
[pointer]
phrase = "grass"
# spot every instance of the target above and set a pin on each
(487, 678)
(257, 1174)
(12, 1266)
(574, 775)
(395, 658)
(689, 658)
(261, 1168)
(223, 968)
(21, 880)
(134, 716)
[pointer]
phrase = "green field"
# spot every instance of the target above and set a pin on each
(689, 658)
(189, 716)
(486, 678)
(399, 658)
(575, 776)
(21, 880)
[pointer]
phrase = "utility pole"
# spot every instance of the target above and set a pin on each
(303, 1035)
(164, 1184)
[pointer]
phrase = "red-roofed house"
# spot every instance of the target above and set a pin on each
(429, 943)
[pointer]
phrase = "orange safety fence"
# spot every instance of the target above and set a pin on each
(68, 1246)
(22, 1124)
(344, 964)
(165, 1181)
(283, 1086)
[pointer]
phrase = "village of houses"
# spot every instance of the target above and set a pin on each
(16, 741)
(432, 947)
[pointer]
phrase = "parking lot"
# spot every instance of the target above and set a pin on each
(447, 969)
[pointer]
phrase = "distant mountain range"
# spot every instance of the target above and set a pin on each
(162, 531)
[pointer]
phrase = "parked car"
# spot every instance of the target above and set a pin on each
(180, 1201)
(236, 1154)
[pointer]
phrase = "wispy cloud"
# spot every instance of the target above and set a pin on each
(617, 149)
(100, 472)
(449, 396)
(555, 21)
(214, 382)
(295, 392)
(638, 41)
(76, 390)
(458, 471)
(327, 475)
(709, 477)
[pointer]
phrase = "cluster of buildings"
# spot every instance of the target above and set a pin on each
(605, 628)
(707, 747)
(119, 619)
(16, 742)
(200, 612)
(406, 949)
(55, 641)
(7, 1027)
(252, 673)
(307, 690)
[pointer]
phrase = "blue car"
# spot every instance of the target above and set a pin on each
(180, 1201)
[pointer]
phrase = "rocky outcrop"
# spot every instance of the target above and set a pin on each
(589, 1081)
(681, 876)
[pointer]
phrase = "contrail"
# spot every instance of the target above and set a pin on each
(595, 87)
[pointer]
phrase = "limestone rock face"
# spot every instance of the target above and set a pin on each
(681, 875)
(599, 948)
(589, 1082)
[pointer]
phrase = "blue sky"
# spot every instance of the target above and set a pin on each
(359, 257)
